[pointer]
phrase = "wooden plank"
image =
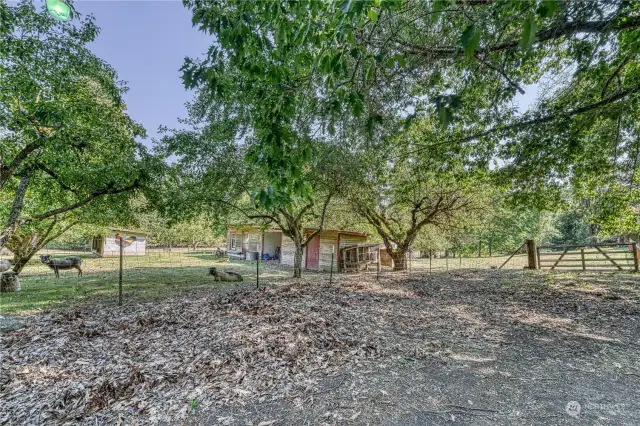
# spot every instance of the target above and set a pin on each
(550, 254)
(594, 267)
(505, 262)
(607, 256)
(591, 259)
(559, 259)
(584, 245)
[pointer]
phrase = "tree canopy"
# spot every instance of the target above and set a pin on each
(67, 146)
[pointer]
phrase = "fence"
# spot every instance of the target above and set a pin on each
(151, 258)
(576, 257)
(612, 257)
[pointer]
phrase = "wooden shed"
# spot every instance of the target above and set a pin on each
(273, 245)
(106, 246)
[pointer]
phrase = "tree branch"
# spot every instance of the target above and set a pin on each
(54, 176)
(499, 71)
(7, 172)
(109, 190)
(540, 120)
(543, 35)
(322, 216)
(18, 200)
(615, 73)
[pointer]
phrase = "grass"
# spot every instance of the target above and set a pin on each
(161, 274)
(145, 278)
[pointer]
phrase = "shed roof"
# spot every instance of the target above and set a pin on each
(128, 231)
(256, 228)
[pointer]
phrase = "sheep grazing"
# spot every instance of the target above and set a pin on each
(224, 275)
(9, 282)
(62, 264)
(5, 265)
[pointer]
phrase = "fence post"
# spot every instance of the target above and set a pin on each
(430, 257)
(531, 254)
(635, 256)
(120, 275)
(584, 266)
(538, 255)
(257, 273)
(333, 248)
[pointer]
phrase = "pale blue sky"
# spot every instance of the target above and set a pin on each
(146, 42)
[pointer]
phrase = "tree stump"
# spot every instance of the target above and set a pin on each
(9, 282)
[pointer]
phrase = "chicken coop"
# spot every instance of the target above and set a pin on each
(359, 257)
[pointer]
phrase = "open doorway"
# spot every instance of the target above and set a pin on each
(272, 244)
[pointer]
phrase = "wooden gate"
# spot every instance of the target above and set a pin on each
(601, 257)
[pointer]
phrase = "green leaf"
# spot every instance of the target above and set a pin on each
(357, 103)
(373, 15)
(368, 74)
(436, 7)
(470, 40)
(528, 34)
(547, 8)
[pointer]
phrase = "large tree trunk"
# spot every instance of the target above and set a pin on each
(399, 257)
(297, 260)
(21, 262)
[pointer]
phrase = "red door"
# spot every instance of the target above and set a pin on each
(313, 253)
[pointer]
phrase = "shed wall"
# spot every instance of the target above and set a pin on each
(111, 248)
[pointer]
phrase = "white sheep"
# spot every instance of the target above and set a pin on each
(5, 265)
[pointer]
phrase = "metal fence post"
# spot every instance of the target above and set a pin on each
(120, 275)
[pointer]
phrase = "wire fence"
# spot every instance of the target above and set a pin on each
(183, 257)
(109, 262)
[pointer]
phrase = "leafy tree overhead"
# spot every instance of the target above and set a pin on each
(66, 141)
(284, 66)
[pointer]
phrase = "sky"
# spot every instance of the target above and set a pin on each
(146, 42)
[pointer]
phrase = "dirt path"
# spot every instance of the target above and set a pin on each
(484, 347)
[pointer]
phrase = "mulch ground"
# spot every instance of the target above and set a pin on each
(467, 347)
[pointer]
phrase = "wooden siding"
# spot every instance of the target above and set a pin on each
(287, 251)
(328, 241)
(252, 241)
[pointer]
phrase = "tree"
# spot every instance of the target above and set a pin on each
(213, 176)
(287, 63)
(408, 199)
(65, 138)
(401, 197)
(572, 229)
